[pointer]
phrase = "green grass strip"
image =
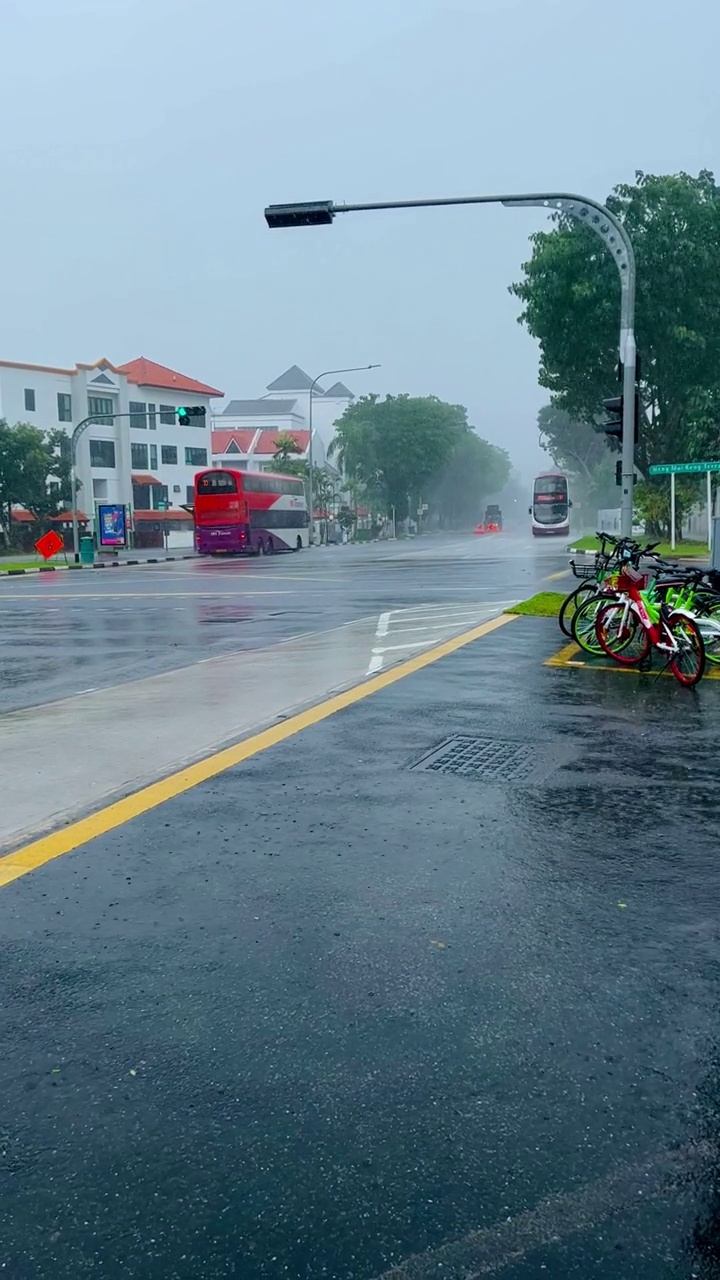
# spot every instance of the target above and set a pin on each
(546, 604)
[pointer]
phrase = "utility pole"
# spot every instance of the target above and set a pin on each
(311, 480)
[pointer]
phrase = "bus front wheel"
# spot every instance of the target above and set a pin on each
(298, 544)
(260, 548)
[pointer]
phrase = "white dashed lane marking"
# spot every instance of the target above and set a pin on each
(425, 625)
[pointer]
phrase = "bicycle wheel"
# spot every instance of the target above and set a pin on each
(582, 624)
(688, 664)
(621, 638)
(571, 603)
(709, 623)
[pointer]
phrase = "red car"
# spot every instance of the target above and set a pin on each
(480, 528)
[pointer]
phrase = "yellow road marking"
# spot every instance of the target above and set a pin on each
(551, 577)
(571, 655)
(34, 855)
(562, 658)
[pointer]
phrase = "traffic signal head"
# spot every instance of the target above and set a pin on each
(613, 429)
(191, 411)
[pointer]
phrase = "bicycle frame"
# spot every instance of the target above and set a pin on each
(661, 637)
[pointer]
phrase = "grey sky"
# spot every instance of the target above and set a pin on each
(143, 138)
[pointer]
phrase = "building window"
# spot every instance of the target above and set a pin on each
(196, 457)
(64, 407)
(102, 453)
(168, 455)
(142, 497)
(152, 417)
(153, 456)
(138, 420)
(29, 400)
(160, 494)
(100, 408)
(167, 415)
(190, 494)
(100, 489)
(139, 457)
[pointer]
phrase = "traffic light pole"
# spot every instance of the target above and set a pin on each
(77, 432)
(196, 411)
(628, 355)
(593, 215)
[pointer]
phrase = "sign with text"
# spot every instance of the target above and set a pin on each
(112, 525)
(682, 468)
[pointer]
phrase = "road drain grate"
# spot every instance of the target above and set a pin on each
(492, 759)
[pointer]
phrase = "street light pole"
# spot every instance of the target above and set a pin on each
(328, 373)
(600, 220)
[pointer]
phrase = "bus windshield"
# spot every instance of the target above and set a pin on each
(550, 504)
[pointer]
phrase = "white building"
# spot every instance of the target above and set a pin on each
(245, 431)
(143, 458)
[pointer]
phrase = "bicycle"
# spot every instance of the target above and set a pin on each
(629, 627)
(583, 620)
(590, 576)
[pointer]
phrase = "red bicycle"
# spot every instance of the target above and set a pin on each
(629, 626)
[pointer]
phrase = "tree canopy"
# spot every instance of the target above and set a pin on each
(570, 296)
(578, 449)
(34, 470)
(406, 449)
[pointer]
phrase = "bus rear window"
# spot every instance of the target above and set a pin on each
(217, 482)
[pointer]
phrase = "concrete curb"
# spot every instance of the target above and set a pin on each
(99, 564)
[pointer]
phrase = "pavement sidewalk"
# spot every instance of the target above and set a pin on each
(427, 988)
(29, 564)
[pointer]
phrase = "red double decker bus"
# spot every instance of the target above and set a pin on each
(257, 512)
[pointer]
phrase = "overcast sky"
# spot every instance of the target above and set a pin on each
(143, 138)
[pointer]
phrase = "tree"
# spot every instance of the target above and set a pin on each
(285, 462)
(397, 447)
(286, 448)
(582, 452)
(571, 305)
(29, 458)
(475, 471)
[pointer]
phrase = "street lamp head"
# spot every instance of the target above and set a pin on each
(316, 213)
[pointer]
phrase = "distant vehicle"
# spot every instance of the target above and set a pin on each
(493, 516)
(480, 528)
(249, 511)
(550, 510)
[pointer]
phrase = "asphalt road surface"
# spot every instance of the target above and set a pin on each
(65, 633)
(427, 988)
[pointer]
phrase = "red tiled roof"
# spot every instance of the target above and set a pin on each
(65, 517)
(146, 373)
(139, 516)
(243, 440)
(21, 515)
(143, 478)
(266, 442)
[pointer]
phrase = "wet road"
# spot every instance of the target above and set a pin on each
(346, 1011)
(65, 633)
